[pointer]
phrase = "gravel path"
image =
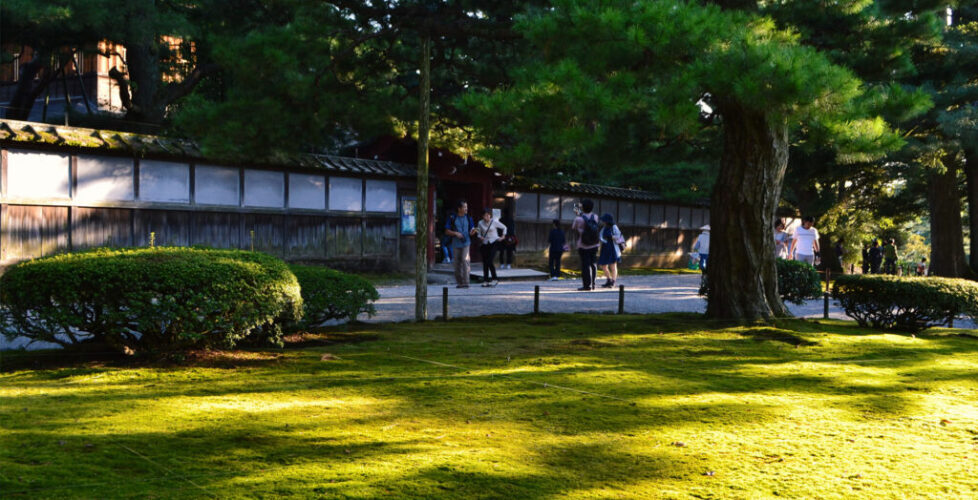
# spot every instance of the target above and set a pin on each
(643, 295)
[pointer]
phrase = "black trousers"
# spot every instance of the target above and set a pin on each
(555, 264)
(589, 265)
(889, 266)
(506, 253)
(488, 254)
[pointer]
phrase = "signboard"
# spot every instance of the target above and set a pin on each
(409, 215)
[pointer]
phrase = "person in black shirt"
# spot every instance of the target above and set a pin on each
(558, 242)
(508, 248)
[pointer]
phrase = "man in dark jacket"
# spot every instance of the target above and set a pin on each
(557, 243)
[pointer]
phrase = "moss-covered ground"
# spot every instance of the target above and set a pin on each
(509, 407)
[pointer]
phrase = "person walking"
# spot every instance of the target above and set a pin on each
(922, 267)
(781, 240)
(865, 263)
(875, 257)
(702, 247)
(890, 257)
(804, 245)
(610, 251)
(588, 240)
(507, 248)
(489, 231)
(461, 228)
(840, 251)
(558, 244)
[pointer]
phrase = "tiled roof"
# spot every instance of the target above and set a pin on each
(140, 145)
(592, 190)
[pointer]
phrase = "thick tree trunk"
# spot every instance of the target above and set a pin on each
(29, 87)
(971, 173)
(946, 235)
(743, 281)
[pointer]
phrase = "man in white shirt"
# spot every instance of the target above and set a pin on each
(804, 245)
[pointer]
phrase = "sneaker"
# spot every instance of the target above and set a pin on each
(494, 283)
(608, 284)
(553, 278)
(461, 286)
(448, 261)
(486, 284)
(584, 289)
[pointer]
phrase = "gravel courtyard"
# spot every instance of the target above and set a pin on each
(643, 295)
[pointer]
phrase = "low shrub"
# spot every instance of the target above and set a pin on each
(328, 294)
(905, 303)
(798, 281)
(150, 298)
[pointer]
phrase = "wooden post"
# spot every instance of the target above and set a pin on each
(421, 234)
(444, 303)
(621, 299)
(825, 312)
(536, 299)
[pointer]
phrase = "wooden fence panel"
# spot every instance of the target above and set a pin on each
(380, 238)
(97, 227)
(306, 237)
(217, 229)
(171, 227)
(269, 233)
(345, 238)
(32, 231)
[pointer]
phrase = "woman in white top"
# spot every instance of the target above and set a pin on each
(490, 231)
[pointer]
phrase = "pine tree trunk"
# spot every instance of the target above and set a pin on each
(946, 236)
(971, 173)
(143, 63)
(743, 281)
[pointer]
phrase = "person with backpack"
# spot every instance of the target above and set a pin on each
(508, 242)
(610, 251)
(875, 257)
(558, 244)
(490, 231)
(588, 241)
(461, 228)
(702, 247)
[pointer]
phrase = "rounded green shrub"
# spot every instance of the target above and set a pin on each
(905, 303)
(798, 281)
(328, 294)
(150, 298)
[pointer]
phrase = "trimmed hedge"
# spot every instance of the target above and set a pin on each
(905, 303)
(150, 298)
(328, 294)
(798, 281)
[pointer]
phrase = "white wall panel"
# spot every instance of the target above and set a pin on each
(381, 196)
(549, 207)
(217, 185)
(567, 208)
(104, 178)
(164, 181)
(33, 174)
(526, 205)
(264, 189)
(345, 194)
(307, 191)
(642, 214)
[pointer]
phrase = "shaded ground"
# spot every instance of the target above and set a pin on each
(516, 407)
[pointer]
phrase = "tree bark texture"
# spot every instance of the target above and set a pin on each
(946, 235)
(742, 275)
(143, 63)
(421, 236)
(971, 174)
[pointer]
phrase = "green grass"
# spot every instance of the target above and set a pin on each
(510, 407)
(387, 279)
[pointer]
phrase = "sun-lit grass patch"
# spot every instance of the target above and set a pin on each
(668, 406)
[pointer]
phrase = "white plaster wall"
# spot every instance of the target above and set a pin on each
(381, 196)
(642, 214)
(34, 174)
(217, 185)
(104, 178)
(549, 207)
(307, 191)
(626, 212)
(264, 189)
(345, 194)
(526, 205)
(164, 181)
(567, 208)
